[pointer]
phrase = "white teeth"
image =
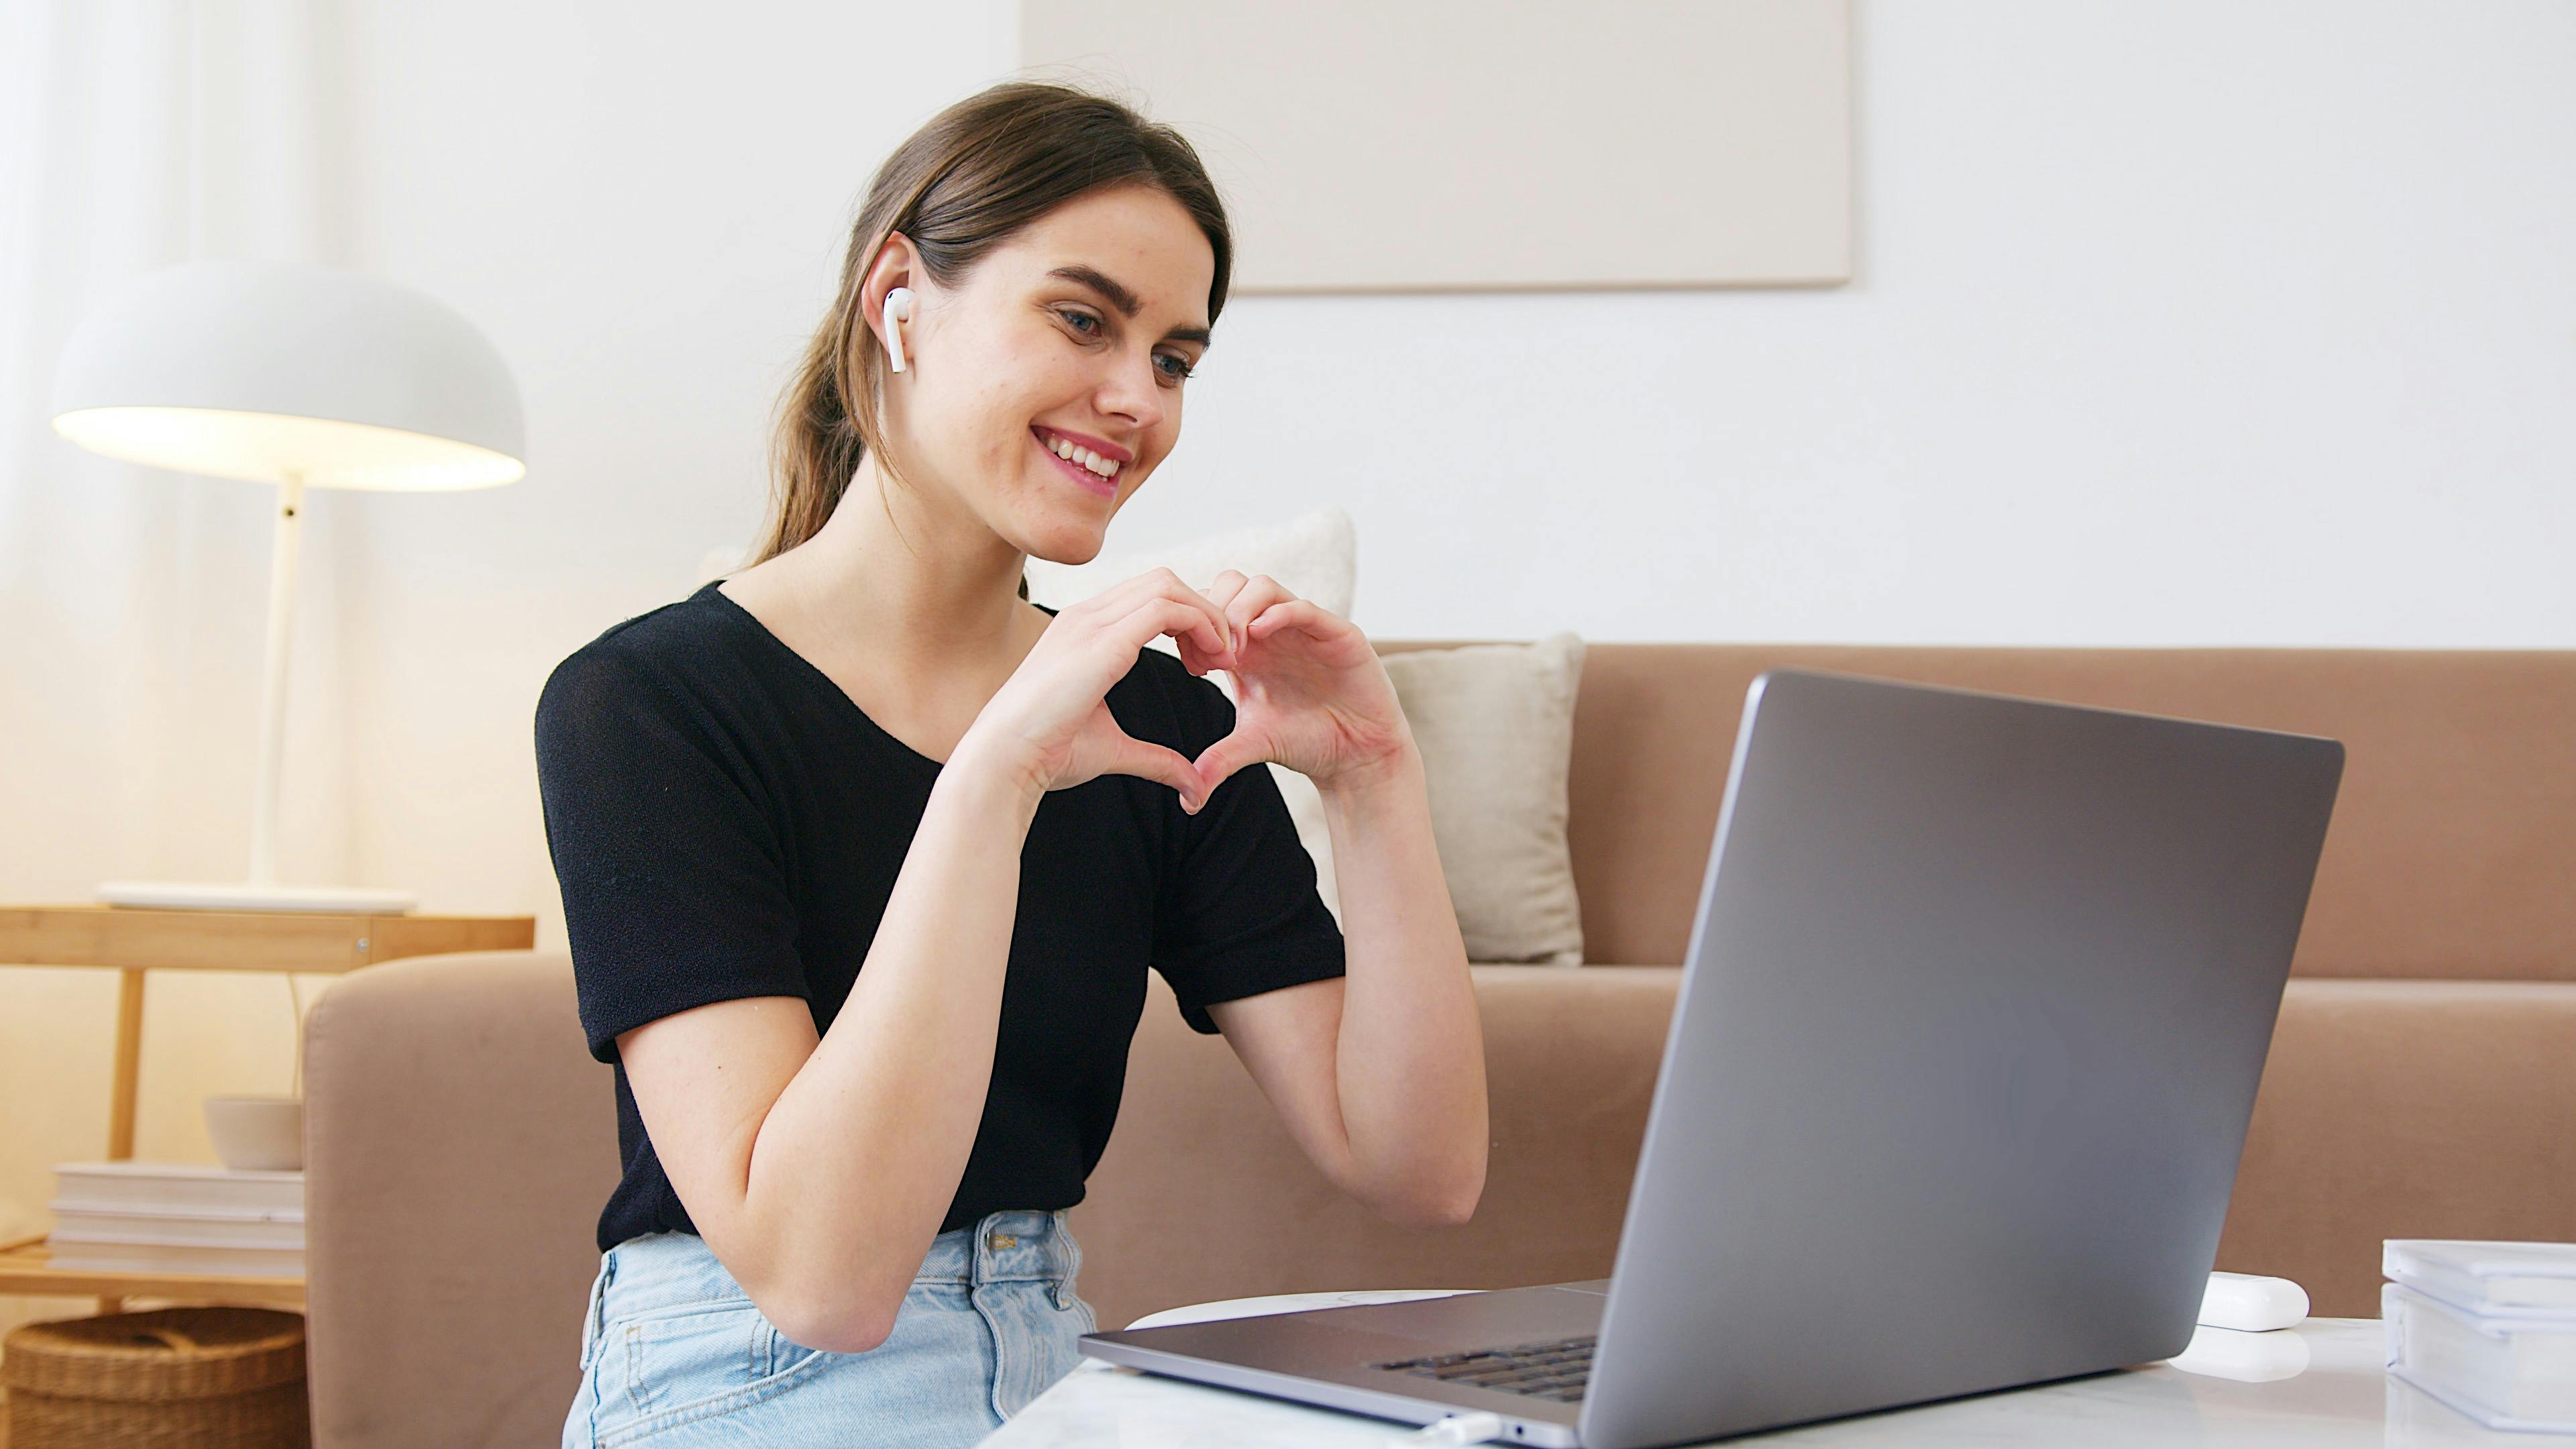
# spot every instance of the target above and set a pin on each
(1106, 468)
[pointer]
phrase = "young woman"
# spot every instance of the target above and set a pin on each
(865, 857)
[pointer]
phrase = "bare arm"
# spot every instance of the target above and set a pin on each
(1380, 1075)
(819, 1170)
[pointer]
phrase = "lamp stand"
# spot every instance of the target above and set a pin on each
(262, 892)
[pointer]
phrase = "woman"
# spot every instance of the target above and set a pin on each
(864, 856)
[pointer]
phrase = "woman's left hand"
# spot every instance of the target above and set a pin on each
(1310, 692)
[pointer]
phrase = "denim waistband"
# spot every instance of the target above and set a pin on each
(674, 1269)
(1016, 1245)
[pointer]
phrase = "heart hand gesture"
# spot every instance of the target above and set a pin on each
(1311, 694)
(1049, 727)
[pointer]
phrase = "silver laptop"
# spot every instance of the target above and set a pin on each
(1965, 1047)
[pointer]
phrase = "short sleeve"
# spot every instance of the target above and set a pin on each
(674, 881)
(1239, 913)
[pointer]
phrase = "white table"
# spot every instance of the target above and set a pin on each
(2318, 1386)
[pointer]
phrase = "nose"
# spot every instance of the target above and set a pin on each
(1131, 391)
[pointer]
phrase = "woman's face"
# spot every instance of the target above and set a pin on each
(1077, 331)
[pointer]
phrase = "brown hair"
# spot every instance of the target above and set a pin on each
(961, 185)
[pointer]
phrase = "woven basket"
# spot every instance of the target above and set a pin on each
(206, 1378)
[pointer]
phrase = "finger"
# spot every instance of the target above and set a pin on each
(1120, 598)
(1172, 585)
(1337, 641)
(1200, 661)
(1157, 616)
(1303, 615)
(1218, 762)
(1221, 591)
(1258, 593)
(1224, 587)
(1155, 762)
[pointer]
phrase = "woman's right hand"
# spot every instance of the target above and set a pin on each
(1049, 727)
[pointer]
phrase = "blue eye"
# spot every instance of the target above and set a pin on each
(1179, 374)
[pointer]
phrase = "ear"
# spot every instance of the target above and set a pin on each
(894, 267)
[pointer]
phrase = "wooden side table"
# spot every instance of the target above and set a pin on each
(132, 940)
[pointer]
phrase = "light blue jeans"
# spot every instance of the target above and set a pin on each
(675, 1354)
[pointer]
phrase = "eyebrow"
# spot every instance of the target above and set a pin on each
(1123, 299)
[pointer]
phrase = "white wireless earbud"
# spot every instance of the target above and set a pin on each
(898, 308)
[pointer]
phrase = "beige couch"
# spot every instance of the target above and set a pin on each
(2422, 1081)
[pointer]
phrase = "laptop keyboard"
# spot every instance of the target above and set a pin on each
(1541, 1370)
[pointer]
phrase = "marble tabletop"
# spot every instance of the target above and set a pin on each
(2317, 1385)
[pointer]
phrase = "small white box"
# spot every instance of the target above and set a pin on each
(2492, 1280)
(2506, 1373)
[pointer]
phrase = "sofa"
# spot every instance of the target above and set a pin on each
(2422, 1079)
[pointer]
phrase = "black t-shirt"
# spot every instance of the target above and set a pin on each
(726, 822)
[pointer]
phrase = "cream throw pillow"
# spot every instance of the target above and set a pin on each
(1314, 556)
(1495, 724)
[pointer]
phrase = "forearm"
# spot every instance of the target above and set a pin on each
(1410, 1059)
(857, 1162)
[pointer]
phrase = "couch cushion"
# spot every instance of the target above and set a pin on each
(2453, 848)
(459, 1142)
(1495, 724)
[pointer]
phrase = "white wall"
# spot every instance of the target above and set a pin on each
(2174, 324)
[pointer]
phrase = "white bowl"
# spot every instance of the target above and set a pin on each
(257, 1134)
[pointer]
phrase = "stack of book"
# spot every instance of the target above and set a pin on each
(177, 1217)
(2487, 1328)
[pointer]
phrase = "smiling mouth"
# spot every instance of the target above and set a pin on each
(1074, 472)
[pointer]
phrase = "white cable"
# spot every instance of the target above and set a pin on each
(1475, 1428)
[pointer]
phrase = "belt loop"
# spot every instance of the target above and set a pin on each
(1069, 1254)
(594, 1315)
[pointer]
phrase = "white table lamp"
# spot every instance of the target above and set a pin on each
(303, 377)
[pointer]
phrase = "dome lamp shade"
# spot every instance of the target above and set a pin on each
(270, 370)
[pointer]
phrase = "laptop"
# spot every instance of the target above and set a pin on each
(1959, 1070)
